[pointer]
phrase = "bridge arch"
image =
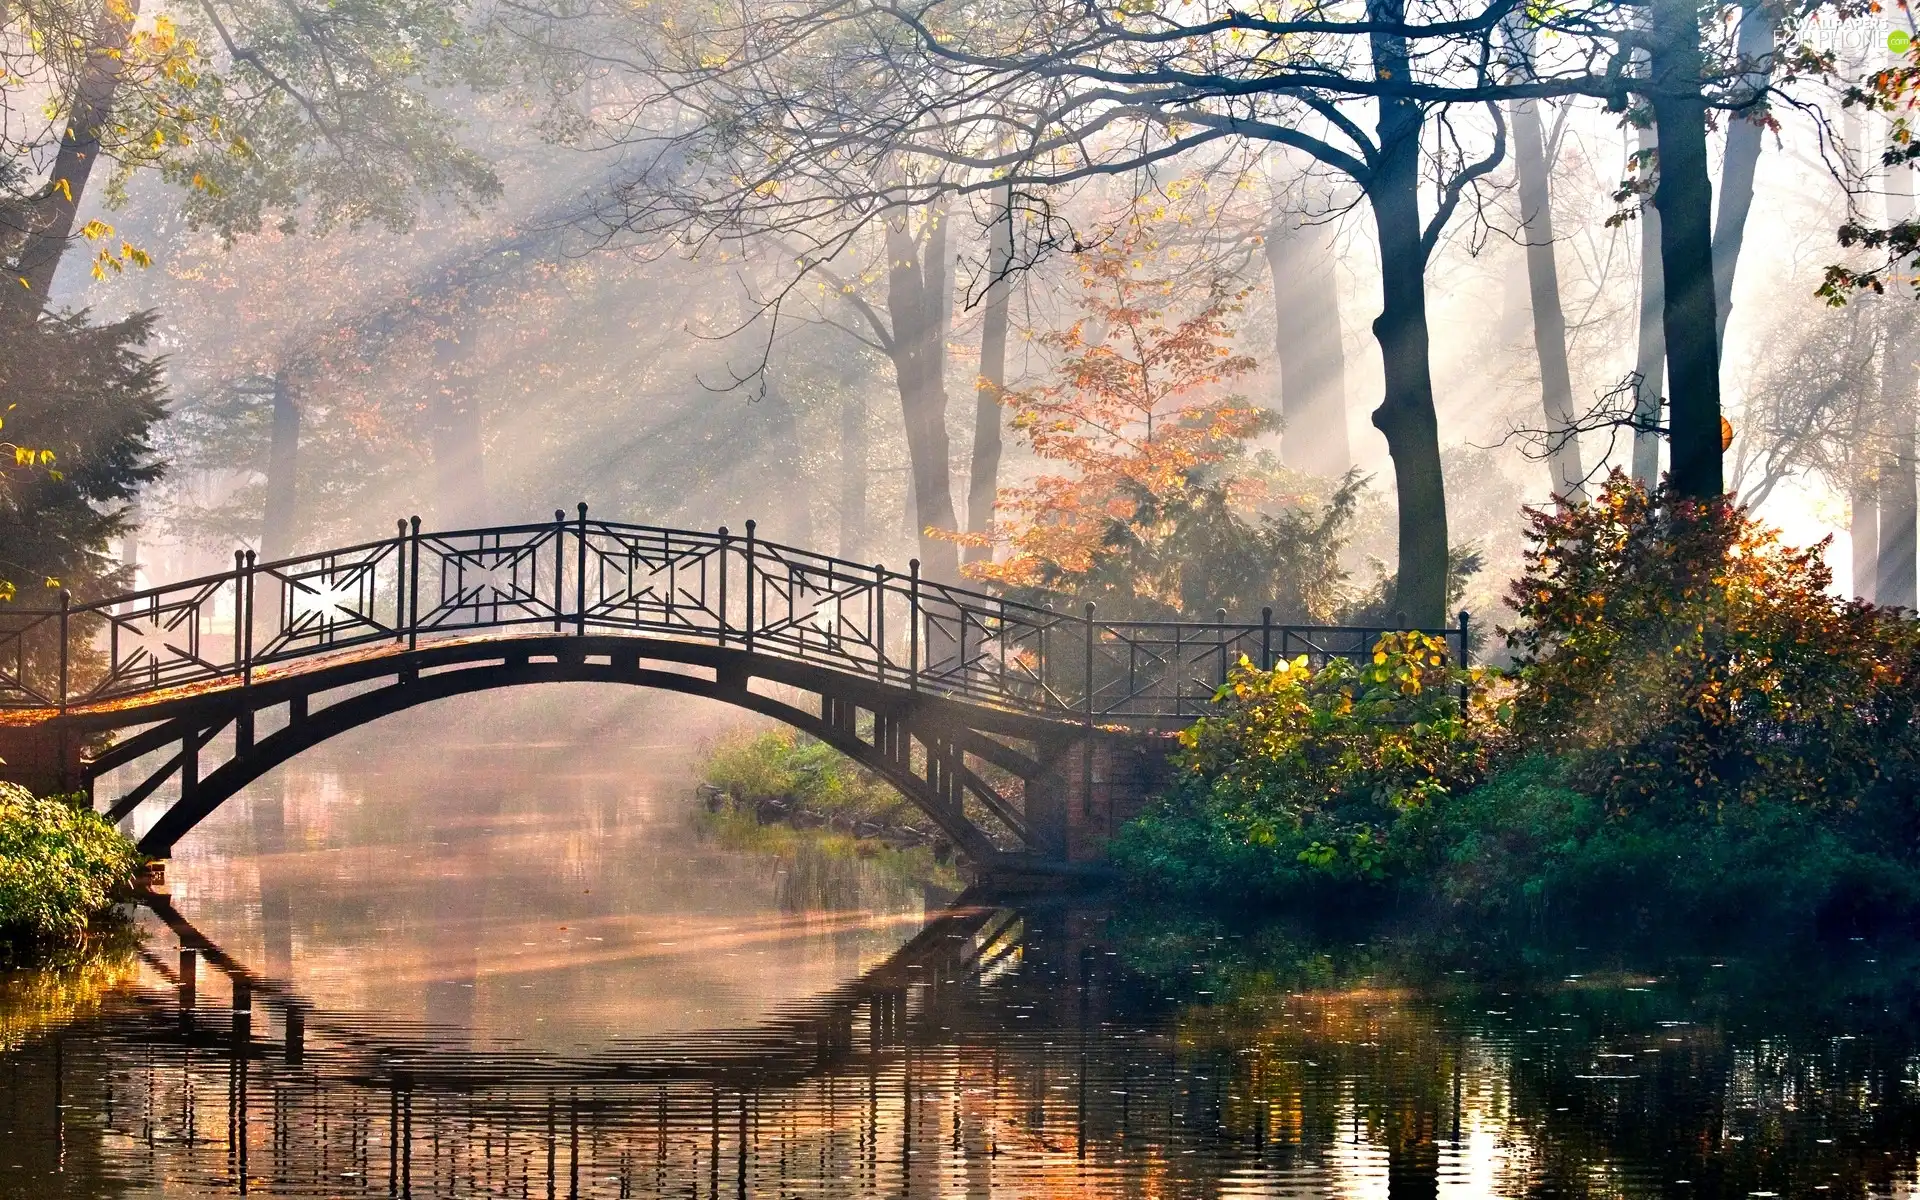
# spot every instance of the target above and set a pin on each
(927, 683)
(981, 776)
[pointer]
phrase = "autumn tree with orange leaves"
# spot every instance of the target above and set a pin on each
(1135, 415)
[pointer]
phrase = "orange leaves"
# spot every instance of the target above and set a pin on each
(1688, 658)
(1134, 412)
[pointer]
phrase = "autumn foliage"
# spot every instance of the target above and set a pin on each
(1694, 725)
(1685, 659)
(1134, 415)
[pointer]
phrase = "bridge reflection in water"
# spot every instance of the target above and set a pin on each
(981, 1059)
(1000, 1053)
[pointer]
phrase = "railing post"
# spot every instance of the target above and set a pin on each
(1089, 672)
(880, 621)
(400, 579)
(913, 625)
(240, 614)
(413, 585)
(246, 660)
(580, 574)
(1466, 660)
(559, 566)
(751, 588)
(1046, 635)
(66, 606)
(1220, 623)
(722, 559)
(1266, 638)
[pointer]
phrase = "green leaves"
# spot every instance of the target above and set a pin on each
(60, 864)
(1304, 772)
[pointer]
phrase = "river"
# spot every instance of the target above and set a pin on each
(491, 949)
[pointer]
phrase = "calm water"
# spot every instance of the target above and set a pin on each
(434, 964)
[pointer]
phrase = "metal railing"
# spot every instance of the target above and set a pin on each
(582, 576)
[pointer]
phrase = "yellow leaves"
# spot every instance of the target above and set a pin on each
(64, 188)
(116, 259)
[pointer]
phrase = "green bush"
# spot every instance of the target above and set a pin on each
(60, 866)
(1302, 776)
(1694, 728)
(1531, 844)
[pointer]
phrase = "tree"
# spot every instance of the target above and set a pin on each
(983, 477)
(84, 398)
(1543, 280)
(795, 117)
(317, 109)
(1132, 426)
(1300, 252)
(1746, 97)
(1682, 195)
(913, 334)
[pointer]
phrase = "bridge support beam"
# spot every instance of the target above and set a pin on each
(1094, 784)
(44, 759)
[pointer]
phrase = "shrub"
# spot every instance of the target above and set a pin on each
(1305, 774)
(60, 866)
(1694, 727)
(1684, 663)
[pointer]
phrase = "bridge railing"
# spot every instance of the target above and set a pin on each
(578, 575)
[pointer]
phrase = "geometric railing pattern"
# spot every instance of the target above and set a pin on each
(583, 575)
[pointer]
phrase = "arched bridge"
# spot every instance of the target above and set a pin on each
(1027, 734)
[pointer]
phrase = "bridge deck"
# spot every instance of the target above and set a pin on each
(197, 637)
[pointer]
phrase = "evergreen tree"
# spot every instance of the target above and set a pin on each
(79, 401)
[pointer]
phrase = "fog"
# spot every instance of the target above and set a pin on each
(493, 359)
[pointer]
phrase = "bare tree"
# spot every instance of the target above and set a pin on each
(798, 117)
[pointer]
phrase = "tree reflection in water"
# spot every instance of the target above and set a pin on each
(1031, 1051)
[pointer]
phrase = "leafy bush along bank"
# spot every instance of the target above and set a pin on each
(1692, 724)
(61, 866)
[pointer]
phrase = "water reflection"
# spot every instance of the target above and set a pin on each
(1002, 1051)
(341, 1001)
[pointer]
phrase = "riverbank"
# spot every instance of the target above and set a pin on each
(780, 792)
(1693, 728)
(62, 867)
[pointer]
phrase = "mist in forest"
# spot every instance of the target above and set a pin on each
(499, 323)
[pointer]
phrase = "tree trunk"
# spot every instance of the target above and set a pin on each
(1568, 476)
(283, 474)
(1406, 414)
(459, 456)
(1894, 581)
(1313, 367)
(1744, 140)
(1684, 196)
(1650, 363)
(917, 302)
(853, 476)
(51, 224)
(983, 483)
(1863, 532)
